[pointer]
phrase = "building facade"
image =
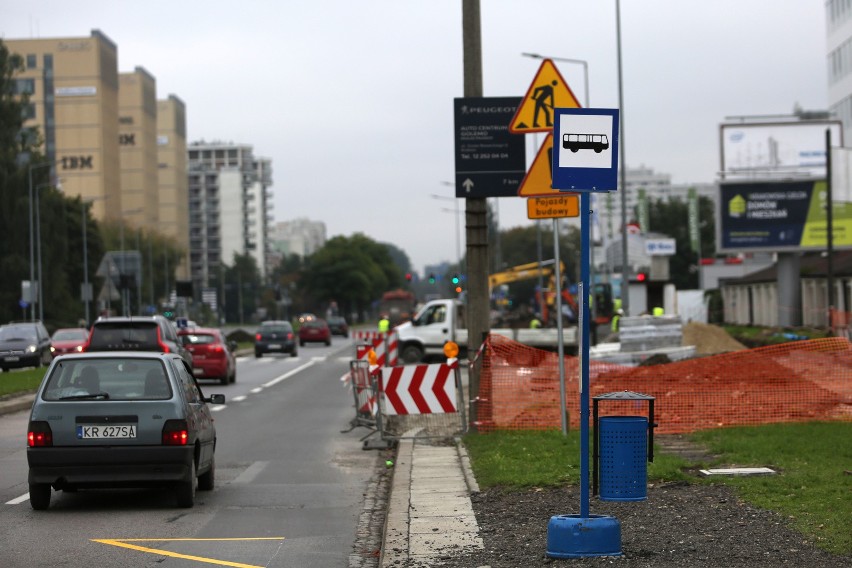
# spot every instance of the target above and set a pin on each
(229, 208)
(301, 237)
(173, 187)
(137, 141)
(839, 59)
(73, 84)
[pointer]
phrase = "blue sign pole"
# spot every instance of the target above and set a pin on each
(585, 245)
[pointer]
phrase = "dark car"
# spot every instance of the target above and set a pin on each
(68, 340)
(275, 337)
(212, 354)
(24, 344)
(338, 326)
(315, 330)
(120, 419)
(136, 333)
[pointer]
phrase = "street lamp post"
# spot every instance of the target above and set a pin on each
(30, 169)
(38, 189)
(458, 226)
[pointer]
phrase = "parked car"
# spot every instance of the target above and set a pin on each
(68, 340)
(120, 419)
(24, 344)
(136, 333)
(315, 330)
(275, 336)
(212, 354)
(338, 326)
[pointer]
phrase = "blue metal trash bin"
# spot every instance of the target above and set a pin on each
(623, 458)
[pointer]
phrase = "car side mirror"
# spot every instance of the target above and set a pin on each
(216, 399)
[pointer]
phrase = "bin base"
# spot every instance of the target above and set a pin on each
(573, 536)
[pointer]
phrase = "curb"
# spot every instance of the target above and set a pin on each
(464, 458)
(17, 403)
(395, 546)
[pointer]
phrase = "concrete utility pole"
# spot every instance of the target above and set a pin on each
(476, 225)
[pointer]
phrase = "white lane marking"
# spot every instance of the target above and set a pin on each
(288, 374)
(251, 472)
(218, 407)
(19, 500)
(256, 390)
(239, 398)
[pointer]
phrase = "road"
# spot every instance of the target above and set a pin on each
(290, 484)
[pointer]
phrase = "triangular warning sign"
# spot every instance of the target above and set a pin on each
(547, 91)
(539, 178)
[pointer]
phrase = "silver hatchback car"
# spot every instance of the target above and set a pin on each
(120, 419)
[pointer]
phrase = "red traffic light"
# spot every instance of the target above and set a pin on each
(641, 277)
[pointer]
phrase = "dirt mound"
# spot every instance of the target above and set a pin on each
(709, 339)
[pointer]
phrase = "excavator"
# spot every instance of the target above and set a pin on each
(601, 300)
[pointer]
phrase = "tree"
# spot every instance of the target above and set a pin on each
(17, 151)
(354, 271)
(670, 217)
(242, 288)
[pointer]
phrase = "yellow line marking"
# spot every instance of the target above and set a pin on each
(124, 543)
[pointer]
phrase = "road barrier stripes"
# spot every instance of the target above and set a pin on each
(419, 389)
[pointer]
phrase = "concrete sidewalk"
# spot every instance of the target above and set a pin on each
(430, 514)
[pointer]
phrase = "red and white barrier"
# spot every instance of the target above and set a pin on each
(386, 348)
(419, 389)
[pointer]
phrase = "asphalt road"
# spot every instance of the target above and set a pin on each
(290, 483)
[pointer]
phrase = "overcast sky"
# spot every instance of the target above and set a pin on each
(353, 100)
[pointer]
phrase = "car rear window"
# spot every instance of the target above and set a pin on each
(116, 336)
(275, 329)
(107, 379)
(198, 338)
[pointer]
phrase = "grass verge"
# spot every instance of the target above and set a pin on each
(21, 380)
(812, 489)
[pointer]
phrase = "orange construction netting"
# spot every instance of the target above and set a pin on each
(791, 382)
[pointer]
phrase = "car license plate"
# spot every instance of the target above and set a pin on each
(102, 432)
(12, 358)
(198, 371)
(274, 346)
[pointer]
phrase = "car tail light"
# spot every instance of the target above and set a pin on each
(257, 337)
(175, 433)
(39, 435)
(163, 346)
(289, 335)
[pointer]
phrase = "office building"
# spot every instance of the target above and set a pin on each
(73, 84)
(173, 196)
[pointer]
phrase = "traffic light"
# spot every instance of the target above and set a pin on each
(408, 276)
(431, 278)
(640, 277)
(455, 279)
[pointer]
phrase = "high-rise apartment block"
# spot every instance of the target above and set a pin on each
(229, 205)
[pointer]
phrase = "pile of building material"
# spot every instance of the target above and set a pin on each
(642, 337)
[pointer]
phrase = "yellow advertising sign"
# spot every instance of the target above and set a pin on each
(547, 92)
(538, 180)
(565, 205)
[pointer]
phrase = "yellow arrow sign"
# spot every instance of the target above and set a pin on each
(539, 178)
(547, 91)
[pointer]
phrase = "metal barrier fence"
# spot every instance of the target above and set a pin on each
(385, 346)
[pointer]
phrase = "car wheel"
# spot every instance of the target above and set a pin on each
(186, 489)
(39, 496)
(328, 343)
(301, 344)
(5, 369)
(224, 379)
(295, 353)
(234, 376)
(412, 354)
(207, 480)
(258, 354)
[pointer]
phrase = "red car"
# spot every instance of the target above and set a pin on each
(315, 330)
(212, 354)
(68, 340)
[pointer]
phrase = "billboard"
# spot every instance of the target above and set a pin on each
(776, 150)
(778, 216)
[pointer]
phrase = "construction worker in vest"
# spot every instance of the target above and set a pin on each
(384, 324)
(657, 311)
(535, 323)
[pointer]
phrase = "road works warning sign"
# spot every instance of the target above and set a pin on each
(547, 92)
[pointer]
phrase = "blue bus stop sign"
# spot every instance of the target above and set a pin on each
(585, 149)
